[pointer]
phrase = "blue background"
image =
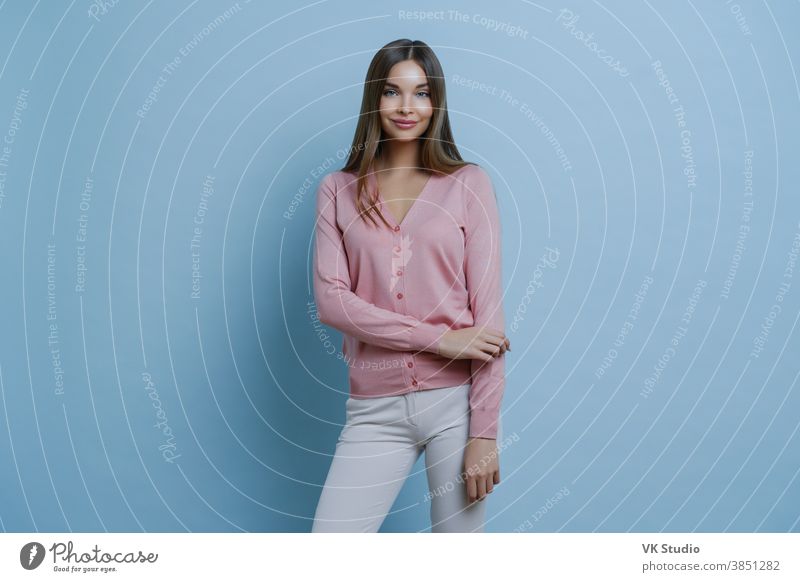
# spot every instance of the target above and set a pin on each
(652, 382)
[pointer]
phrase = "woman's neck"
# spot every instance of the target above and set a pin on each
(398, 154)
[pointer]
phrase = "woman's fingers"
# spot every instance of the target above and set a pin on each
(493, 339)
(496, 348)
(484, 345)
(497, 338)
(488, 350)
(472, 488)
(489, 332)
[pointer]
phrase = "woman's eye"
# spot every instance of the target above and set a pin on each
(392, 91)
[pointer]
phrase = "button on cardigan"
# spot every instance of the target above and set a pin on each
(393, 292)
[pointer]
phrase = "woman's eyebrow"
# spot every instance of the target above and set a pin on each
(390, 84)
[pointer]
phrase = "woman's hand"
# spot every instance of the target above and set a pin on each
(473, 343)
(482, 467)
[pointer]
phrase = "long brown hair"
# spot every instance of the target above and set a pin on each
(438, 150)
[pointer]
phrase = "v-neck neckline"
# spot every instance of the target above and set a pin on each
(413, 204)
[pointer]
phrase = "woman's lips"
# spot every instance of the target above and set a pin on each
(404, 125)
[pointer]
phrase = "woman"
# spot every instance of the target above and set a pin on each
(407, 266)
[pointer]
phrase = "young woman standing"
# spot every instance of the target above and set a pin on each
(407, 267)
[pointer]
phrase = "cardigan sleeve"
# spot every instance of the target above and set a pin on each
(482, 269)
(341, 308)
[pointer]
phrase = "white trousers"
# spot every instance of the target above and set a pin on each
(382, 439)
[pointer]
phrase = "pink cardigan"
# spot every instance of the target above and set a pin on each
(394, 291)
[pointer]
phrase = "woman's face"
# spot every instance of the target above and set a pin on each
(405, 98)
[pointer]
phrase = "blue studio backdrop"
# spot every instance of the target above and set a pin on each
(162, 367)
